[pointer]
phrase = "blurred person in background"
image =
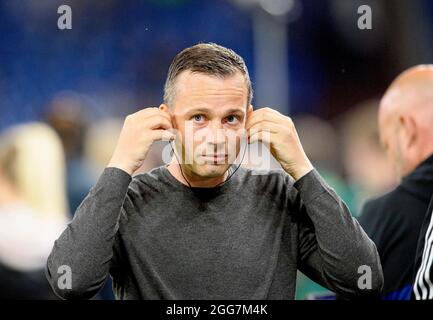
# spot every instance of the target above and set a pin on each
(33, 208)
(367, 168)
(394, 221)
(423, 276)
(66, 114)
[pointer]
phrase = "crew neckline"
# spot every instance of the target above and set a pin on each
(219, 188)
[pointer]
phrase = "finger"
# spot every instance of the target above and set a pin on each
(263, 115)
(160, 134)
(261, 136)
(157, 112)
(271, 127)
(158, 122)
(146, 113)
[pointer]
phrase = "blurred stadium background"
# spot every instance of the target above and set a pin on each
(307, 59)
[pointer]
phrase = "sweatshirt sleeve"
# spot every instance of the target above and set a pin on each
(334, 250)
(84, 251)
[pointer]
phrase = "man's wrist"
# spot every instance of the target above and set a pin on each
(301, 171)
(119, 165)
(114, 181)
(310, 186)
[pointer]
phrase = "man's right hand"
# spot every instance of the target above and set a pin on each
(139, 131)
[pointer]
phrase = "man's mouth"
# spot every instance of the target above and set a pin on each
(215, 157)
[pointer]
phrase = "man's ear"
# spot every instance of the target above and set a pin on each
(166, 108)
(250, 111)
(409, 127)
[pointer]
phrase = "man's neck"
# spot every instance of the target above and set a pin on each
(194, 181)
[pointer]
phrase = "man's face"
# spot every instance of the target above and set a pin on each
(210, 114)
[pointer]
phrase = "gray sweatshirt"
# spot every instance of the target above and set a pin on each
(244, 239)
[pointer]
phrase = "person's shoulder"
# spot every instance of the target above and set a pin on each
(151, 179)
(395, 204)
(383, 202)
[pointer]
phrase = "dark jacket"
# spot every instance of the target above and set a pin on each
(393, 222)
(423, 276)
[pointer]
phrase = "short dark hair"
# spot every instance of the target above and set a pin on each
(207, 58)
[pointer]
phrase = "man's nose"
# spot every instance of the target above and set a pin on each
(217, 134)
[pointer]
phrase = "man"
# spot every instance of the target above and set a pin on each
(198, 229)
(394, 220)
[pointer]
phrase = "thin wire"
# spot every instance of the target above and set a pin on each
(180, 167)
(228, 178)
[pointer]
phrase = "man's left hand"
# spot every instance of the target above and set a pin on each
(279, 134)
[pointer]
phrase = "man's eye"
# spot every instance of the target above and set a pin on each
(232, 119)
(198, 118)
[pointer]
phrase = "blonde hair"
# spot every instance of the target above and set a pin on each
(31, 157)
